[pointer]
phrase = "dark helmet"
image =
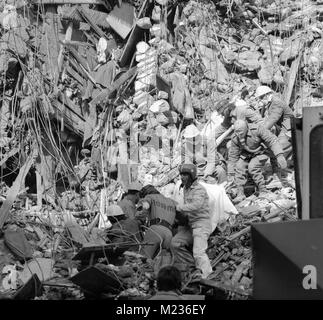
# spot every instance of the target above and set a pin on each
(148, 189)
(190, 169)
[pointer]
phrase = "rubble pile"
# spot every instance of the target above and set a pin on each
(97, 95)
(230, 248)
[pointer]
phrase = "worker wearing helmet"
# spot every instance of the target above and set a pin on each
(124, 229)
(157, 213)
(195, 226)
(235, 110)
(202, 151)
(130, 199)
(249, 153)
(276, 112)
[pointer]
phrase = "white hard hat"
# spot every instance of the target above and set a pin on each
(240, 103)
(262, 90)
(191, 131)
(114, 210)
(136, 186)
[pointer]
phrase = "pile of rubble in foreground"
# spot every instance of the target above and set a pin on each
(84, 81)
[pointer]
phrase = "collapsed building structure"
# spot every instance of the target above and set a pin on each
(97, 93)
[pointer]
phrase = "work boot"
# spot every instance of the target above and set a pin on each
(240, 196)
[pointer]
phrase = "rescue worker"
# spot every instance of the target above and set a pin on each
(232, 111)
(248, 153)
(202, 152)
(130, 199)
(158, 213)
(278, 113)
(194, 226)
(124, 229)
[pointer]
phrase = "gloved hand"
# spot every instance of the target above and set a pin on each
(281, 161)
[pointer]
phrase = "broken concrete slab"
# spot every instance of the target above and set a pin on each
(248, 61)
(42, 267)
(121, 19)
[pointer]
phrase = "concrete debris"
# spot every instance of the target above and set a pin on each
(99, 94)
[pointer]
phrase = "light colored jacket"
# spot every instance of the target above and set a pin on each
(278, 113)
(256, 135)
(196, 204)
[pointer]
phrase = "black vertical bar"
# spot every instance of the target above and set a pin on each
(297, 124)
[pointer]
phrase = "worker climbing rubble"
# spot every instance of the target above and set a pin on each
(249, 153)
(237, 109)
(194, 226)
(202, 151)
(277, 115)
(130, 199)
(157, 214)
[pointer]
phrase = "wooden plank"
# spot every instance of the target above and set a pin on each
(223, 287)
(78, 58)
(74, 15)
(72, 120)
(91, 22)
(15, 188)
(69, 2)
(239, 234)
(292, 77)
(78, 234)
(105, 94)
(39, 189)
(68, 37)
(77, 68)
(76, 76)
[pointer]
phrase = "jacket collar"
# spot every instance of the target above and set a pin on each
(195, 182)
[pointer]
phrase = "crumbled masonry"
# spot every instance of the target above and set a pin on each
(96, 94)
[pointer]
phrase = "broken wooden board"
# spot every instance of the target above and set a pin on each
(239, 234)
(73, 14)
(15, 188)
(100, 251)
(76, 76)
(121, 19)
(292, 77)
(96, 281)
(78, 234)
(107, 93)
(72, 120)
(91, 21)
(224, 290)
(79, 58)
(42, 267)
(69, 2)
